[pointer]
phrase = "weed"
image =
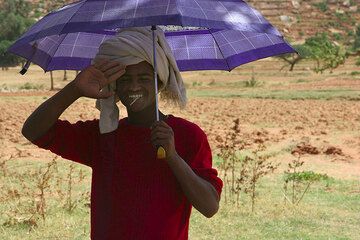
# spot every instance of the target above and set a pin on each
(302, 81)
(242, 173)
(354, 73)
(299, 181)
(4, 88)
(70, 205)
(338, 36)
(260, 167)
(31, 86)
(253, 82)
(196, 84)
(43, 183)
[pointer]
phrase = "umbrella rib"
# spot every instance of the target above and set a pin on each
(201, 9)
(52, 57)
(72, 17)
(135, 10)
(220, 49)
(102, 15)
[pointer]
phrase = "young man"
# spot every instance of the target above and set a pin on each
(134, 194)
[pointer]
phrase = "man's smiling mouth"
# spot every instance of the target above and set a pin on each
(135, 97)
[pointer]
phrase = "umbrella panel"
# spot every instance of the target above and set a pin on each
(194, 49)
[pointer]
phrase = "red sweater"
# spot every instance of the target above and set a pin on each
(133, 194)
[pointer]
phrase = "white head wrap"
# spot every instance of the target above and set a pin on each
(131, 46)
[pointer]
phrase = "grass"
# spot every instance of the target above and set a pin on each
(328, 211)
(327, 94)
(321, 215)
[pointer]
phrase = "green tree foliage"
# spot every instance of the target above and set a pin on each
(320, 49)
(324, 52)
(15, 18)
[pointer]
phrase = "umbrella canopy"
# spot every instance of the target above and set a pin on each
(203, 49)
(229, 33)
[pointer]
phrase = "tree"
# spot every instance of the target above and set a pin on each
(320, 49)
(292, 59)
(326, 53)
(7, 60)
(15, 18)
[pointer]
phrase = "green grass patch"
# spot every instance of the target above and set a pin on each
(328, 211)
(327, 94)
(323, 214)
(355, 73)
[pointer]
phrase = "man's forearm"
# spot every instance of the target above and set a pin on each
(44, 117)
(201, 194)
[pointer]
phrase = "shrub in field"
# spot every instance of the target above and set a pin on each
(297, 183)
(26, 201)
(242, 172)
(259, 166)
(230, 158)
(72, 200)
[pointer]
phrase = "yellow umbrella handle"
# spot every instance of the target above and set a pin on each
(161, 153)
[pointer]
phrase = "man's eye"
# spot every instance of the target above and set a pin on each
(145, 78)
(123, 80)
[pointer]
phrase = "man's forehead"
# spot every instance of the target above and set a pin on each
(142, 68)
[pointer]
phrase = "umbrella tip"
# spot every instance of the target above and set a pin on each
(23, 71)
(25, 68)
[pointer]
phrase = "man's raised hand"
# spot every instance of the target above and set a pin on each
(92, 80)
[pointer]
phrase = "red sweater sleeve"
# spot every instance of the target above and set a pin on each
(76, 142)
(201, 160)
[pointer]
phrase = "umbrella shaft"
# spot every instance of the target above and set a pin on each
(153, 28)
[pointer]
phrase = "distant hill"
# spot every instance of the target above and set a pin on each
(299, 19)
(296, 19)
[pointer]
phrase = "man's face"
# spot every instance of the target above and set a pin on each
(136, 88)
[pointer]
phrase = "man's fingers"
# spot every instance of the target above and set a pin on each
(114, 70)
(159, 142)
(160, 123)
(160, 135)
(100, 62)
(110, 64)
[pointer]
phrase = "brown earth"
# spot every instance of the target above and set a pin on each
(326, 133)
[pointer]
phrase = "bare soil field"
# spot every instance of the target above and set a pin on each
(326, 132)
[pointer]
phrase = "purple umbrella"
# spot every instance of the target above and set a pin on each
(231, 32)
(226, 34)
(200, 49)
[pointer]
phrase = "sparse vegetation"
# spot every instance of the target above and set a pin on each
(297, 183)
(31, 86)
(322, 6)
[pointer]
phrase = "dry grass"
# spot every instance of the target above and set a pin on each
(56, 205)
